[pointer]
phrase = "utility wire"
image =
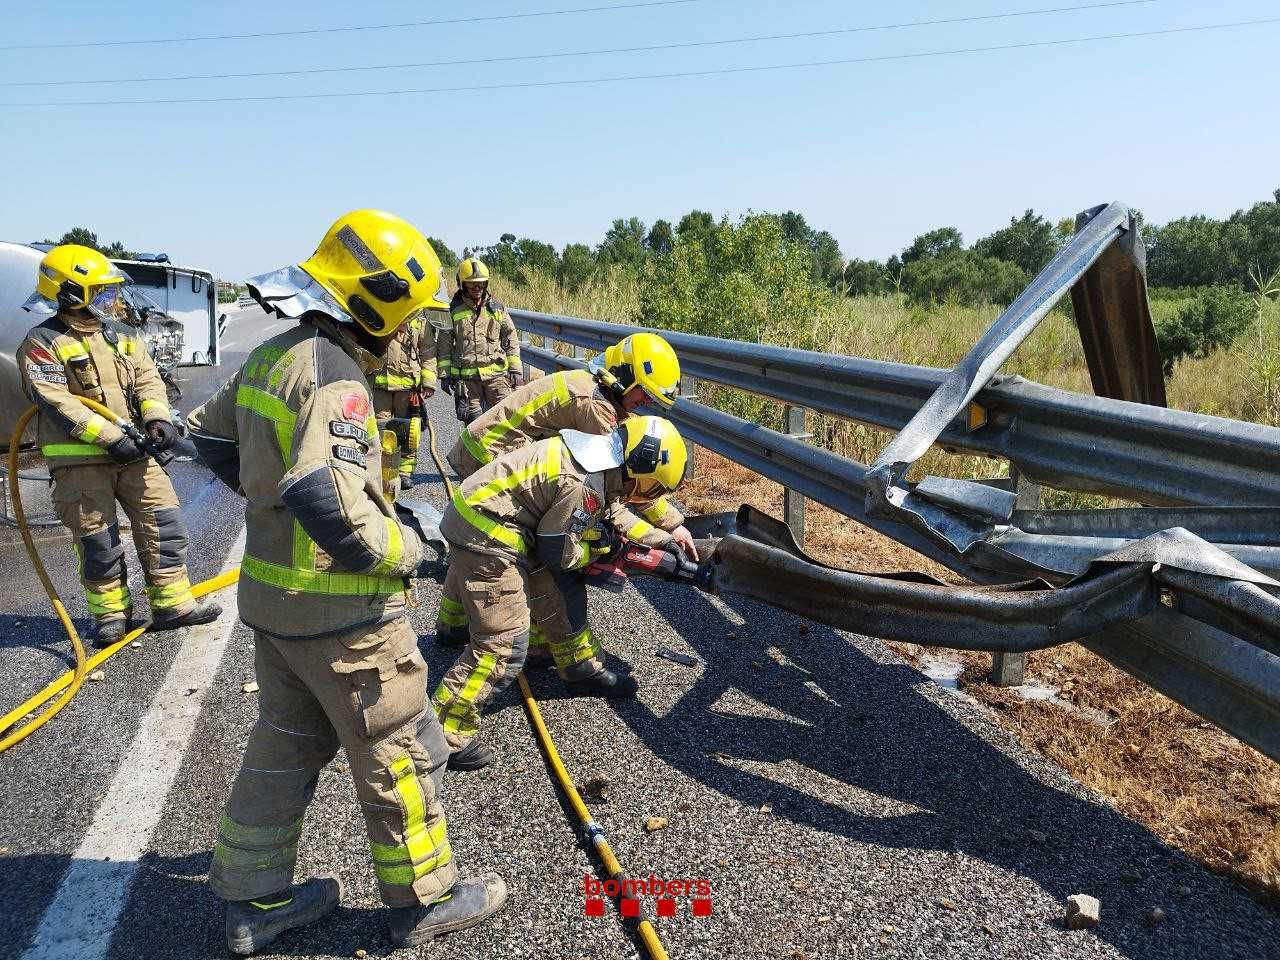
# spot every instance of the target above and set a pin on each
(591, 81)
(352, 29)
(809, 34)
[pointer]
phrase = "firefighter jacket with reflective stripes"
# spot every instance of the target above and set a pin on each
(294, 431)
(480, 342)
(111, 366)
(535, 506)
(567, 400)
(410, 359)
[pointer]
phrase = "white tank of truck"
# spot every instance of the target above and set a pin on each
(174, 309)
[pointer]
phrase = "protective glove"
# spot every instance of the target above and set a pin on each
(446, 384)
(601, 541)
(517, 378)
(125, 450)
(162, 433)
(461, 408)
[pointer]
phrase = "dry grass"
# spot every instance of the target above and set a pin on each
(1194, 786)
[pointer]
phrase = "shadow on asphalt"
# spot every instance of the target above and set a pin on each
(876, 731)
(40, 632)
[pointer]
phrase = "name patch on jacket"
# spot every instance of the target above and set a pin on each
(349, 454)
(349, 431)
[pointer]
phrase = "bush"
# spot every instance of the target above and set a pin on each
(965, 278)
(1211, 321)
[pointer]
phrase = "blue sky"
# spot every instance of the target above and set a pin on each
(875, 152)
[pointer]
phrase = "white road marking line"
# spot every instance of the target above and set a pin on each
(78, 923)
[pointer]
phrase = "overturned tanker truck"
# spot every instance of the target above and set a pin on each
(1180, 591)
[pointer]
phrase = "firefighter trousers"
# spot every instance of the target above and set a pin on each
(85, 497)
(388, 404)
(505, 610)
(474, 396)
(363, 690)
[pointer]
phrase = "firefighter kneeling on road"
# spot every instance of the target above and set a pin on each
(478, 354)
(79, 350)
(521, 530)
(323, 583)
(641, 369)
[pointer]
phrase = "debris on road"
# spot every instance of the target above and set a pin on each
(250, 687)
(946, 903)
(652, 824)
(1083, 912)
(97, 676)
(682, 658)
(1157, 915)
(596, 789)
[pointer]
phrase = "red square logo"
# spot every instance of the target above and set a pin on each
(701, 907)
(593, 907)
(630, 907)
(666, 907)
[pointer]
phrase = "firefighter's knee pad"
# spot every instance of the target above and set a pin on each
(102, 555)
(171, 538)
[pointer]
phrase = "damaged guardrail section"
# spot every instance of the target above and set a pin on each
(1179, 592)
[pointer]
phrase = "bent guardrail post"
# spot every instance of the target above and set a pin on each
(1010, 669)
(792, 500)
(887, 493)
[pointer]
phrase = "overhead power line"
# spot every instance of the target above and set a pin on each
(677, 75)
(651, 48)
(351, 29)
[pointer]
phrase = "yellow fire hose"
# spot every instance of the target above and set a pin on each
(648, 935)
(71, 681)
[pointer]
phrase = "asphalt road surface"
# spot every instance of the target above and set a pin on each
(836, 802)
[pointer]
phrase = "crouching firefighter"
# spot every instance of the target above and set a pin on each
(641, 369)
(478, 353)
(323, 584)
(521, 530)
(78, 350)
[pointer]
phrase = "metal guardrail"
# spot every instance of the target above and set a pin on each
(1215, 650)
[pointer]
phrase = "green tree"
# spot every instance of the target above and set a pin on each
(577, 265)
(515, 258)
(866, 278)
(1252, 239)
(623, 244)
(1030, 241)
(448, 259)
(934, 245)
(696, 225)
(661, 239)
(1213, 320)
(966, 278)
(87, 238)
(1188, 252)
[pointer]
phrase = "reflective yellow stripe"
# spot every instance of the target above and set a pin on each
(513, 362)
(395, 548)
(452, 613)
(93, 427)
(656, 510)
(69, 349)
(319, 581)
(115, 600)
(271, 906)
(72, 450)
(641, 528)
(575, 649)
(584, 557)
(492, 368)
(547, 467)
(425, 849)
(457, 712)
(273, 409)
(482, 448)
(171, 594)
(426, 376)
(155, 410)
(389, 381)
(488, 526)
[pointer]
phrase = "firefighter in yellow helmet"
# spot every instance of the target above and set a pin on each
(323, 585)
(521, 529)
(641, 369)
(79, 350)
(478, 354)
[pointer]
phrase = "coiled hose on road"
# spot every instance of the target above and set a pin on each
(71, 681)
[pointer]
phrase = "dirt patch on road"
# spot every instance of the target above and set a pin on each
(1194, 786)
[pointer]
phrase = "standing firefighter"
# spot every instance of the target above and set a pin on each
(323, 583)
(79, 350)
(406, 375)
(641, 369)
(479, 352)
(521, 529)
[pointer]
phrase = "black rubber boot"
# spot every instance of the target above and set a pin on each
(606, 683)
(467, 903)
(162, 620)
(539, 657)
(107, 632)
(473, 756)
(254, 924)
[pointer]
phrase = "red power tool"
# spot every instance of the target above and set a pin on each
(610, 572)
